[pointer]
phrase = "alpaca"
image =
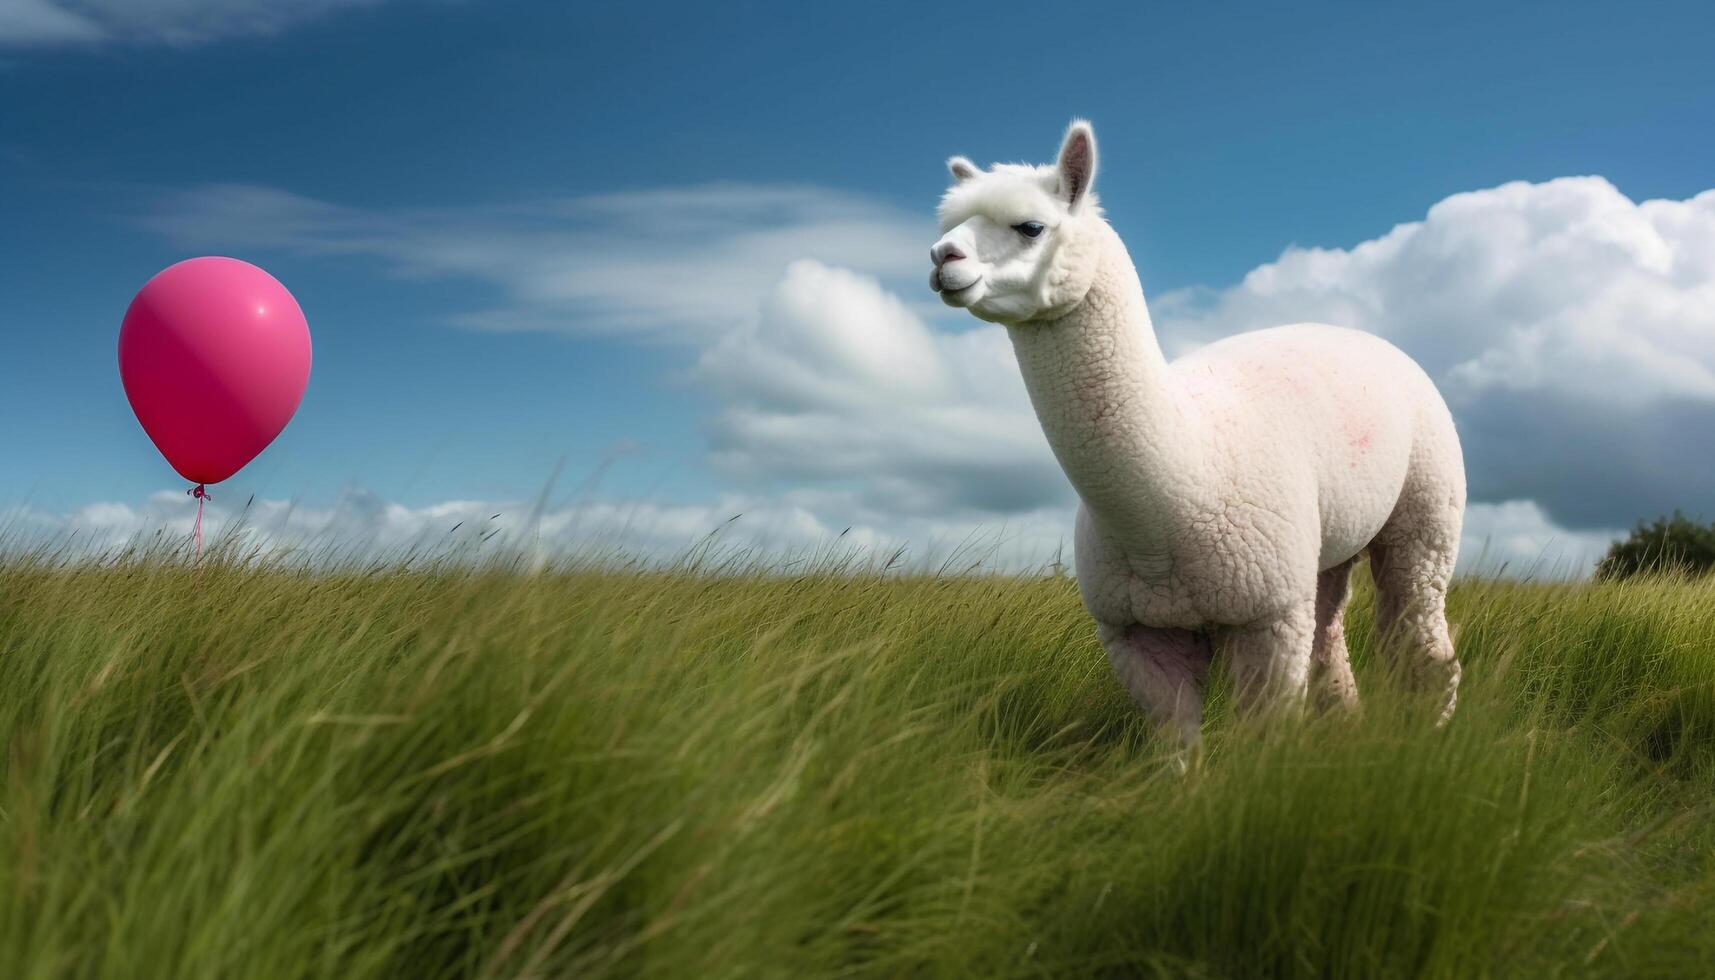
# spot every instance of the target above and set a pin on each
(1224, 496)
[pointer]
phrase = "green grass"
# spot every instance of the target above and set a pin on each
(436, 774)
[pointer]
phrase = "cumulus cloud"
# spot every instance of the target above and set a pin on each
(685, 264)
(175, 22)
(1571, 329)
(838, 383)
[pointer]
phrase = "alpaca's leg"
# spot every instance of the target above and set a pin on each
(1270, 663)
(1412, 566)
(1331, 683)
(1165, 671)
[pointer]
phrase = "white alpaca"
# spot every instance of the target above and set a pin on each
(1226, 495)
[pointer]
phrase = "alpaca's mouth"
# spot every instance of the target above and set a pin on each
(961, 297)
(950, 293)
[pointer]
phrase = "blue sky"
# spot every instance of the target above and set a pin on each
(527, 231)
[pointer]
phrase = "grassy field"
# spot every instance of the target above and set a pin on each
(436, 774)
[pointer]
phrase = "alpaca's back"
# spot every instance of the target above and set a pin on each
(1310, 409)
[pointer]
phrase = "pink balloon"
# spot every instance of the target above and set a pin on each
(215, 357)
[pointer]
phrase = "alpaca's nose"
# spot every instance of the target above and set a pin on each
(945, 252)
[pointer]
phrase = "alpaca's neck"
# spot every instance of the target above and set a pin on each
(1099, 383)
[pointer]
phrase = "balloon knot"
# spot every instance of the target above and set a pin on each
(199, 493)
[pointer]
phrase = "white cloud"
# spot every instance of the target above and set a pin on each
(174, 22)
(838, 383)
(1564, 286)
(682, 264)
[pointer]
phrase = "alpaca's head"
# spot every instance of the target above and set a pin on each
(1019, 242)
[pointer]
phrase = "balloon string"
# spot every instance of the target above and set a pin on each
(201, 495)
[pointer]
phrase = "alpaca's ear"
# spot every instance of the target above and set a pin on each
(961, 168)
(1077, 163)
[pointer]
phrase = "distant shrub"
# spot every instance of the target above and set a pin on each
(1674, 544)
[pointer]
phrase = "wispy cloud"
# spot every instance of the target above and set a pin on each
(41, 23)
(44, 22)
(681, 264)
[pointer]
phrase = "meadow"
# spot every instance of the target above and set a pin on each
(439, 771)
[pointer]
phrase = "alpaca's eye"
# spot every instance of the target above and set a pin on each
(1029, 229)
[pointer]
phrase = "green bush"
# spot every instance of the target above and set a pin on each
(1674, 545)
